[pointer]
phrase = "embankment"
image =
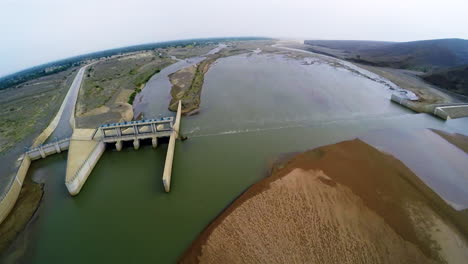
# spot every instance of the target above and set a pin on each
(26, 204)
(71, 95)
(45, 134)
(18, 205)
(343, 203)
(83, 155)
(9, 199)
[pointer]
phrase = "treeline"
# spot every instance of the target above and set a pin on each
(61, 65)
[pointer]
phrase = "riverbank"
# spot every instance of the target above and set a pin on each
(27, 108)
(427, 94)
(410, 80)
(187, 83)
(28, 201)
(110, 87)
(191, 77)
(370, 208)
(459, 140)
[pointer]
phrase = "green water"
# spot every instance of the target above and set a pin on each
(253, 110)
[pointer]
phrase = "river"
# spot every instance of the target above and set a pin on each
(254, 108)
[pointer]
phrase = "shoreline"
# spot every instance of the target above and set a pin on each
(26, 206)
(402, 203)
(191, 97)
(458, 140)
(111, 87)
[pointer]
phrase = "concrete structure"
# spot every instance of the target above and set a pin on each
(72, 94)
(451, 111)
(77, 175)
(135, 131)
(87, 146)
(170, 151)
(444, 111)
(48, 149)
(83, 155)
(9, 199)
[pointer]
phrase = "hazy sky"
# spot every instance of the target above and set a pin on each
(38, 31)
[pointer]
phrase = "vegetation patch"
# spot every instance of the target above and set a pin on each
(453, 79)
(26, 109)
(140, 83)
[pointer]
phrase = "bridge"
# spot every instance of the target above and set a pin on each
(43, 151)
(136, 130)
(113, 133)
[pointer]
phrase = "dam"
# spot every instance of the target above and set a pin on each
(86, 146)
(136, 130)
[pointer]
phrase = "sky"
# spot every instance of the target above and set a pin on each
(33, 32)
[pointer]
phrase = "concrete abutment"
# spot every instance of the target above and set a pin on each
(118, 145)
(136, 144)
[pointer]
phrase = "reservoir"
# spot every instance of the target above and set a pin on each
(254, 108)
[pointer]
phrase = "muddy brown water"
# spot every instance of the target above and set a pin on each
(254, 108)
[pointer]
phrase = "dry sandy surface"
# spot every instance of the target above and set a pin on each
(181, 81)
(343, 203)
(459, 140)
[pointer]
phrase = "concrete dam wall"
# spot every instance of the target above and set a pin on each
(77, 176)
(9, 199)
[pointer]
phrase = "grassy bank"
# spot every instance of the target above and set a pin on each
(191, 96)
(111, 86)
(140, 83)
(26, 109)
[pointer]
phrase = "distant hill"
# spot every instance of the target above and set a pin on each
(348, 45)
(424, 55)
(452, 79)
